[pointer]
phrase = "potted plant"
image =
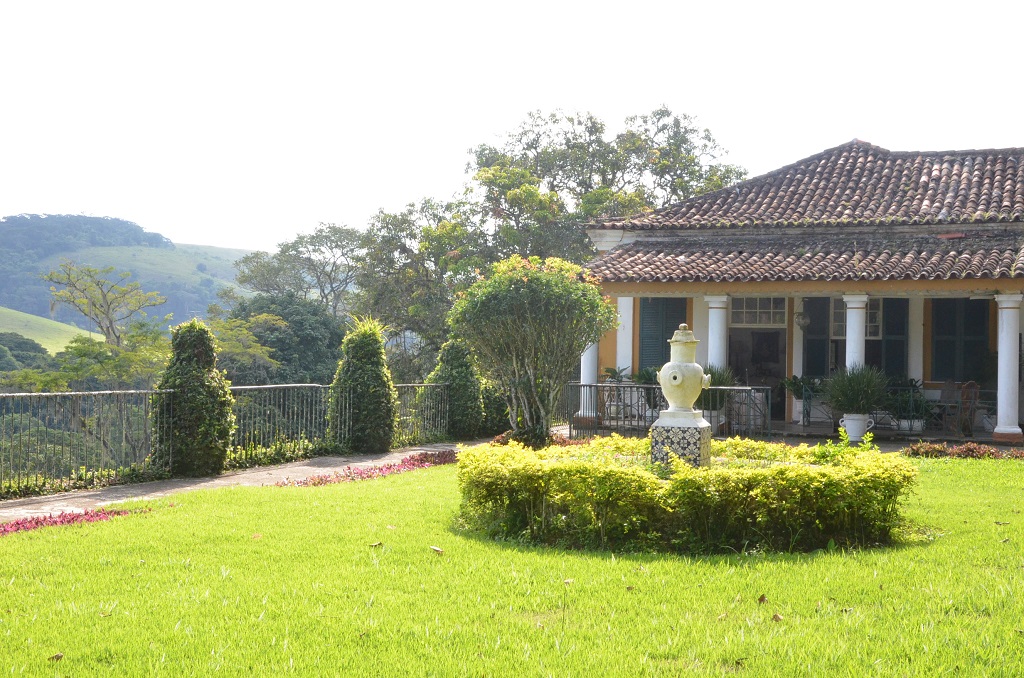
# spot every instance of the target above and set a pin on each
(800, 388)
(856, 393)
(909, 407)
(647, 379)
(713, 402)
(613, 401)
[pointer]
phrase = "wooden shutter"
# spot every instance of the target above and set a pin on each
(895, 321)
(816, 337)
(659, 319)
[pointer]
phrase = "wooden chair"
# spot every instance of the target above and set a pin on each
(947, 409)
(969, 396)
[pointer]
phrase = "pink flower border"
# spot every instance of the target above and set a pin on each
(62, 518)
(353, 473)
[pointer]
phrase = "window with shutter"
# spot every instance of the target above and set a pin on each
(659, 318)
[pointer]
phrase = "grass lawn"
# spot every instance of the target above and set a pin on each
(342, 580)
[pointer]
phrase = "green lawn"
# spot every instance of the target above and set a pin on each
(263, 581)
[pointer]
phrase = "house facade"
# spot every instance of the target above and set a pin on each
(913, 262)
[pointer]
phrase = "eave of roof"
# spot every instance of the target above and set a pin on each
(834, 256)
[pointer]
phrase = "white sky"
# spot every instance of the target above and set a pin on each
(241, 124)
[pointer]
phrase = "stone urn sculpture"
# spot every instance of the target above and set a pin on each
(681, 430)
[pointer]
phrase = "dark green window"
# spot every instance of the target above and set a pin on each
(959, 339)
(659, 318)
(885, 345)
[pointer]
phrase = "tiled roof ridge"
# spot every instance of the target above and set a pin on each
(857, 183)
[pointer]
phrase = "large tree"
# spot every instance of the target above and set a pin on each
(111, 303)
(413, 263)
(528, 323)
(556, 172)
(306, 345)
(320, 266)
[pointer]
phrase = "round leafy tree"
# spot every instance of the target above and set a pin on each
(201, 418)
(465, 407)
(529, 322)
(364, 403)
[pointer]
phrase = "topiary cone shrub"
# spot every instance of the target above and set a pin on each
(201, 419)
(465, 405)
(363, 410)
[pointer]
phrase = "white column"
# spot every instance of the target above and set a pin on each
(915, 338)
(624, 335)
(718, 326)
(699, 324)
(856, 321)
(1007, 427)
(588, 377)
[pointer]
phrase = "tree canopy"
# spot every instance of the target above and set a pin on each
(529, 196)
(528, 322)
(110, 303)
(303, 337)
(320, 265)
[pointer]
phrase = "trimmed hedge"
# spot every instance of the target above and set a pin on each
(608, 494)
(363, 378)
(465, 407)
(200, 412)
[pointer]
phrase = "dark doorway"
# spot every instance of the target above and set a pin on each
(758, 358)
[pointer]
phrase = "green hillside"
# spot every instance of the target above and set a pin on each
(53, 335)
(188, 275)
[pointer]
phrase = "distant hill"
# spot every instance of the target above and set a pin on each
(54, 336)
(31, 245)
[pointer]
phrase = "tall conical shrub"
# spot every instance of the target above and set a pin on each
(200, 412)
(364, 404)
(465, 407)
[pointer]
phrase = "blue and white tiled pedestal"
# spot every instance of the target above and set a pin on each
(686, 435)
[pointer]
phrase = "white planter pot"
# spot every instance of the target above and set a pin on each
(910, 425)
(798, 411)
(856, 426)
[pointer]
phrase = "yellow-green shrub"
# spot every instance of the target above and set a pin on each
(607, 493)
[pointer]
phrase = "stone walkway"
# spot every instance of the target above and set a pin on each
(81, 500)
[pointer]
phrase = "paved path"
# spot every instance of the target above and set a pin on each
(80, 500)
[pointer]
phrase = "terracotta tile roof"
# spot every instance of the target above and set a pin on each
(733, 258)
(858, 184)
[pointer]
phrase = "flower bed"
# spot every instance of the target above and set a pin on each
(755, 495)
(352, 473)
(963, 451)
(62, 518)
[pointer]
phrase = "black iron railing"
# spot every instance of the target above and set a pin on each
(630, 409)
(63, 440)
(67, 440)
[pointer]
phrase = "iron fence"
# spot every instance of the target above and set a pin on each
(291, 413)
(422, 414)
(64, 440)
(74, 439)
(630, 409)
(908, 412)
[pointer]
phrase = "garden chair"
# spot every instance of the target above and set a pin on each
(947, 409)
(969, 396)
